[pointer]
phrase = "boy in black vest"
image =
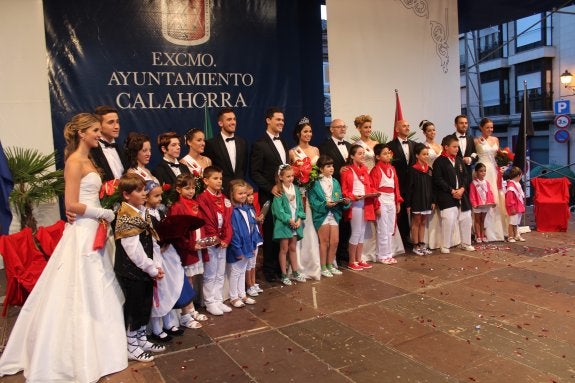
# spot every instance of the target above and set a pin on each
(138, 263)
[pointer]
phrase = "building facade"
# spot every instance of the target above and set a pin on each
(495, 62)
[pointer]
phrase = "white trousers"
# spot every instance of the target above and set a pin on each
(214, 272)
(385, 228)
(237, 278)
(358, 223)
(449, 218)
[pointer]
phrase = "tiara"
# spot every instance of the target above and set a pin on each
(303, 121)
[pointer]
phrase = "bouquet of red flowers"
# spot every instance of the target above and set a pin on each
(504, 157)
(169, 195)
(110, 198)
(304, 172)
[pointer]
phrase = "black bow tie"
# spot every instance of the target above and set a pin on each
(405, 142)
(341, 143)
(231, 139)
(173, 164)
(462, 136)
(277, 138)
(109, 145)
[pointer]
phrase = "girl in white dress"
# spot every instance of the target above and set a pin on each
(71, 328)
(487, 146)
(307, 248)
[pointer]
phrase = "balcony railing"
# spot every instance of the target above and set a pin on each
(539, 99)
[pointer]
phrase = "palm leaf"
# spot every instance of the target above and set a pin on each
(379, 136)
(34, 181)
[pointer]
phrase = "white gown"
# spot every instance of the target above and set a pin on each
(495, 221)
(307, 248)
(71, 328)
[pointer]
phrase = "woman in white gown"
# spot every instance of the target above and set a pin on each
(369, 251)
(487, 146)
(363, 125)
(308, 248)
(71, 328)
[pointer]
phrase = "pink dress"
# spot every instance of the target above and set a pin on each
(481, 196)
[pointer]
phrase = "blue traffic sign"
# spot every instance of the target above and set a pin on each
(562, 107)
(561, 136)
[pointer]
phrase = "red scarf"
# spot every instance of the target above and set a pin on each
(422, 168)
(217, 199)
(444, 154)
(190, 205)
(387, 168)
(361, 171)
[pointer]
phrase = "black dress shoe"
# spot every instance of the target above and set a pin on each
(162, 338)
(271, 278)
(172, 332)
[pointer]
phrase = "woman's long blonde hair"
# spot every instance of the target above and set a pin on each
(79, 123)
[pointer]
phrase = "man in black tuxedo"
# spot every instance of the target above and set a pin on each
(403, 150)
(110, 158)
(450, 185)
(168, 169)
(227, 150)
(467, 151)
(338, 149)
(268, 153)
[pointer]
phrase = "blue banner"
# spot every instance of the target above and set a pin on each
(162, 62)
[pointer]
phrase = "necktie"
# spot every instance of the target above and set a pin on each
(233, 138)
(341, 143)
(277, 138)
(109, 145)
(462, 137)
(405, 142)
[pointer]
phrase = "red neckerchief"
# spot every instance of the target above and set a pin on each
(422, 168)
(361, 171)
(444, 154)
(387, 168)
(190, 205)
(217, 199)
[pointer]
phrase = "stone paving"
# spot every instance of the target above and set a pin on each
(504, 313)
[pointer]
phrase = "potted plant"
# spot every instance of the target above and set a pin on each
(35, 182)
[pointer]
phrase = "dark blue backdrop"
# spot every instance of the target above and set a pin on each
(108, 52)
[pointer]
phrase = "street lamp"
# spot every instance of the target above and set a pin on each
(566, 78)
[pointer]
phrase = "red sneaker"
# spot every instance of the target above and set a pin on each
(354, 266)
(364, 265)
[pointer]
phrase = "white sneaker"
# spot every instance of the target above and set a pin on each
(225, 308)
(237, 303)
(511, 239)
(427, 251)
(326, 273)
(418, 251)
(445, 250)
(335, 271)
(252, 292)
(520, 238)
(214, 309)
(297, 276)
(258, 288)
(466, 247)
